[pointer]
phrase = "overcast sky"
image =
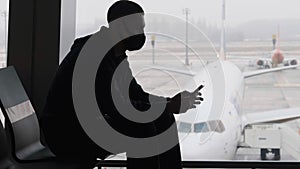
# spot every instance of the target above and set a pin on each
(238, 11)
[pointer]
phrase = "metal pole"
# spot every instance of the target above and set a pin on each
(187, 12)
(223, 32)
(153, 55)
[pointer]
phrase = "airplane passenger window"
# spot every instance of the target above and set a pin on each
(3, 32)
(184, 127)
(201, 127)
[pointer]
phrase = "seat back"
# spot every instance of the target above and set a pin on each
(4, 148)
(20, 114)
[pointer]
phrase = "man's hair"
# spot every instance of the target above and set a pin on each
(122, 8)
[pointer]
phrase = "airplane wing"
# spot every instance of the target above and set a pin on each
(277, 116)
(260, 72)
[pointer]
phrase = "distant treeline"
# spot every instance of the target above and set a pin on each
(260, 30)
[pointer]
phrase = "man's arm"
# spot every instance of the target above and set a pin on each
(141, 99)
(178, 104)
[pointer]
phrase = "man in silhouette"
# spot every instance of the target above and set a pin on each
(63, 132)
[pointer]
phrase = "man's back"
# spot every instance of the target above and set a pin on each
(60, 94)
(61, 127)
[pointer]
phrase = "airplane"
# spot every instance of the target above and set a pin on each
(206, 135)
(276, 57)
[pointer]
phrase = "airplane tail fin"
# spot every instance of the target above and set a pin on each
(278, 37)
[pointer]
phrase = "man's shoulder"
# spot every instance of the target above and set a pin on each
(80, 41)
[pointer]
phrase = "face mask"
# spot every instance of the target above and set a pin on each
(135, 42)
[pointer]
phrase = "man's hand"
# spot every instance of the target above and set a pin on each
(186, 100)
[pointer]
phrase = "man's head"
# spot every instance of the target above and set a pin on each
(121, 9)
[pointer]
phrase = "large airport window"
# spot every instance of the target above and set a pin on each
(249, 46)
(3, 32)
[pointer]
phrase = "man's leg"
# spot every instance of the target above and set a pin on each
(170, 159)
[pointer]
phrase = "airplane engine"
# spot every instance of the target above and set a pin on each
(260, 62)
(294, 62)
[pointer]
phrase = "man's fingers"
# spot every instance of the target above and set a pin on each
(200, 87)
(193, 107)
(199, 98)
(197, 102)
(196, 91)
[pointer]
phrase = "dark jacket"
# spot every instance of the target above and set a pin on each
(65, 136)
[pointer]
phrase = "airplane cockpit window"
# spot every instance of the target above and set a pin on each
(3, 32)
(184, 127)
(210, 126)
(217, 126)
(201, 127)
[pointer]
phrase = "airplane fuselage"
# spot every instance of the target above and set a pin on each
(220, 145)
(277, 58)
